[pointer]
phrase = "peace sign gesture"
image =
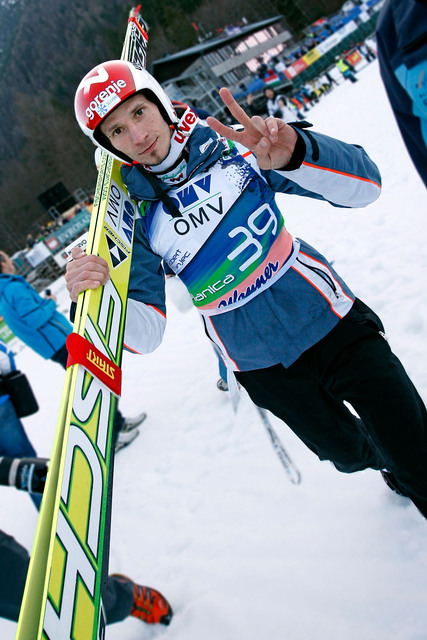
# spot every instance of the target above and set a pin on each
(272, 141)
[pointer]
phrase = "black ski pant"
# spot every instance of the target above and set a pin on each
(117, 595)
(353, 363)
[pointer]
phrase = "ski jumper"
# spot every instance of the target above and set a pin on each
(271, 303)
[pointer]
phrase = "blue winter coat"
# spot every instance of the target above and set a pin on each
(225, 202)
(30, 317)
(402, 54)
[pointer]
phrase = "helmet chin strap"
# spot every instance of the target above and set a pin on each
(181, 131)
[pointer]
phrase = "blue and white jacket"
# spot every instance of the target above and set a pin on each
(402, 53)
(264, 297)
(30, 317)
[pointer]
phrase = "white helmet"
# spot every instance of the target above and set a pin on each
(106, 87)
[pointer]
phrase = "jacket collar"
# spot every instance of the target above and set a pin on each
(204, 148)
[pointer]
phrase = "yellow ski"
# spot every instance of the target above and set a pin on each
(69, 561)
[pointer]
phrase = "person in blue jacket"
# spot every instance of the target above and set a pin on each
(288, 327)
(33, 319)
(36, 321)
(402, 54)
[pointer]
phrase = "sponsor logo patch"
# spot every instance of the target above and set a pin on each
(117, 256)
(106, 105)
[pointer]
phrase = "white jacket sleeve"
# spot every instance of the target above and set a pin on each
(144, 328)
(332, 170)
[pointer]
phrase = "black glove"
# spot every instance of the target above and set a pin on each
(27, 474)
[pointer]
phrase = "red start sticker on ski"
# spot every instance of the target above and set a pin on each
(81, 351)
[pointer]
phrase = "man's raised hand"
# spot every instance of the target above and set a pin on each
(271, 140)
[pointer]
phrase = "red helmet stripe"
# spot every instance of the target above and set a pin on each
(101, 91)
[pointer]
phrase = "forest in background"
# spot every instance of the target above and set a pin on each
(45, 49)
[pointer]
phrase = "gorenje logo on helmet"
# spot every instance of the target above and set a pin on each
(107, 98)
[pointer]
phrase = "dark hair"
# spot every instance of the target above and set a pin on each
(271, 89)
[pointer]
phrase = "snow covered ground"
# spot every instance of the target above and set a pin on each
(203, 509)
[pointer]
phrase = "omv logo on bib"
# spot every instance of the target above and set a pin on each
(191, 194)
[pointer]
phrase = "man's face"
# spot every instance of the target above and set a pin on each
(137, 129)
(7, 265)
(269, 93)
